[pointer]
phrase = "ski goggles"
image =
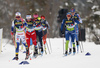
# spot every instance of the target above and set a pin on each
(18, 17)
(68, 15)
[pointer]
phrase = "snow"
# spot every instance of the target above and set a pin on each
(66, 4)
(11, 5)
(91, 1)
(75, 4)
(94, 25)
(30, 9)
(60, 7)
(95, 6)
(10, 13)
(97, 31)
(97, 13)
(37, 10)
(50, 13)
(55, 59)
(83, 4)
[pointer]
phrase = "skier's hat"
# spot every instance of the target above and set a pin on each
(68, 14)
(43, 17)
(28, 16)
(18, 15)
(72, 10)
(35, 15)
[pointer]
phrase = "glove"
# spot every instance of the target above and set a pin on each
(12, 33)
(62, 34)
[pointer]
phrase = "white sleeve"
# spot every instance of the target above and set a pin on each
(12, 24)
(48, 24)
(80, 20)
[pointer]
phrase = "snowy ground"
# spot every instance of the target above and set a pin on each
(55, 59)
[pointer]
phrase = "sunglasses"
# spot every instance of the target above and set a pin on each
(17, 16)
(68, 15)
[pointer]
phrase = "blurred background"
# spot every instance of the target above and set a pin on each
(54, 11)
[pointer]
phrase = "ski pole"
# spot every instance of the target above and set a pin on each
(14, 41)
(50, 43)
(43, 42)
(76, 36)
(45, 49)
(7, 42)
(39, 51)
(80, 48)
(63, 45)
(81, 41)
(48, 48)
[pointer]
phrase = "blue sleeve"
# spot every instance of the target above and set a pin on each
(62, 25)
(77, 21)
(12, 26)
(25, 24)
(12, 29)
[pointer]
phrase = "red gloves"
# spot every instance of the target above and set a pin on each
(12, 33)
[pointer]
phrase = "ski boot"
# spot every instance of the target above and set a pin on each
(70, 51)
(35, 52)
(66, 53)
(27, 54)
(16, 57)
(41, 51)
(74, 50)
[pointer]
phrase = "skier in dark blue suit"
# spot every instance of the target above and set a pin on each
(76, 16)
(69, 23)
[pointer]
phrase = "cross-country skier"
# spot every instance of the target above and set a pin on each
(31, 33)
(38, 29)
(19, 24)
(76, 17)
(45, 28)
(69, 23)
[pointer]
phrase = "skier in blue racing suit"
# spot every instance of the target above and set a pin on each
(69, 23)
(76, 16)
